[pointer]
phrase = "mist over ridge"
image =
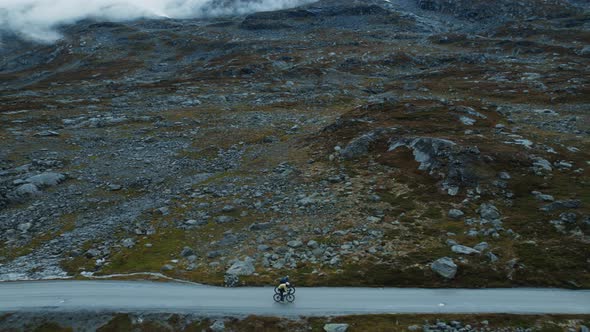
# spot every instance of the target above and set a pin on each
(38, 19)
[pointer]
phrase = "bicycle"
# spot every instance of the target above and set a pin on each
(289, 297)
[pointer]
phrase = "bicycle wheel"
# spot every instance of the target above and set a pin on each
(292, 290)
(290, 298)
(277, 290)
(277, 297)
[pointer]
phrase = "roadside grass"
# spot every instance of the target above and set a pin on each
(377, 323)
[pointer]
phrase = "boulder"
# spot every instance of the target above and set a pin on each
(336, 327)
(24, 227)
(481, 246)
(445, 267)
(568, 217)
(426, 150)
(128, 242)
(186, 252)
(359, 146)
(493, 258)
(456, 214)
(27, 190)
(543, 197)
(565, 204)
(214, 254)
(224, 219)
(228, 208)
(460, 249)
(115, 187)
(91, 253)
(217, 326)
(295, 244)
(443, 159)
(167, 267)
(541, 165)
(231, 280)
(242, 268)
(48, 179)
(260, 226)
(488, 211)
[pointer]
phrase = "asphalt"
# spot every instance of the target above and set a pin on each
(143, 296)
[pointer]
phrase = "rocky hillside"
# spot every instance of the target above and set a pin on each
(423, 143)
(501, 9)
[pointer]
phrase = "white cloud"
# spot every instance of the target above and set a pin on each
(38, 19)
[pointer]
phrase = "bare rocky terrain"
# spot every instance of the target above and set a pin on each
(410, 143)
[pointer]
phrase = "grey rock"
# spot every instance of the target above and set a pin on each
(167, 267)
(359, 146)
(128, 242)
(260, 226)
(91, 253)
(335, 260)
(263, 247)
(488, 211)
(47, 133)
(217, 326)
(425, 149)
(470, 111)
(445, 267)
(312, 244)
(565, 204)
(307, 201)
(483, 246)
(114, 187)
(163, 211)
(228, 208)
(568, 217)
(242, 268)
(214, 254)
(333, 327)
(456, 214)
(27, 190)
(231, 280)
(224, 219)
(460, 249)
(187, 251)
(543, 197)
(541, 165)
(192, 258)
(451, 242)
(48, 179)
(493, 258)
(504, 176)
(467, 120)
(295, 244)
(24, 227)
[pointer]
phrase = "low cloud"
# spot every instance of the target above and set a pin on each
(38, 19)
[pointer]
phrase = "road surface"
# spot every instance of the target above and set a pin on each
(143, 296)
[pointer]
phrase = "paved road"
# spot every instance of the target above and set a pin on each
(131, 296)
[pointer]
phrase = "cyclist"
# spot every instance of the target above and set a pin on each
(284, 287)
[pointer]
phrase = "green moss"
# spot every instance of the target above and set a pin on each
(121, 322)
(52, 327)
